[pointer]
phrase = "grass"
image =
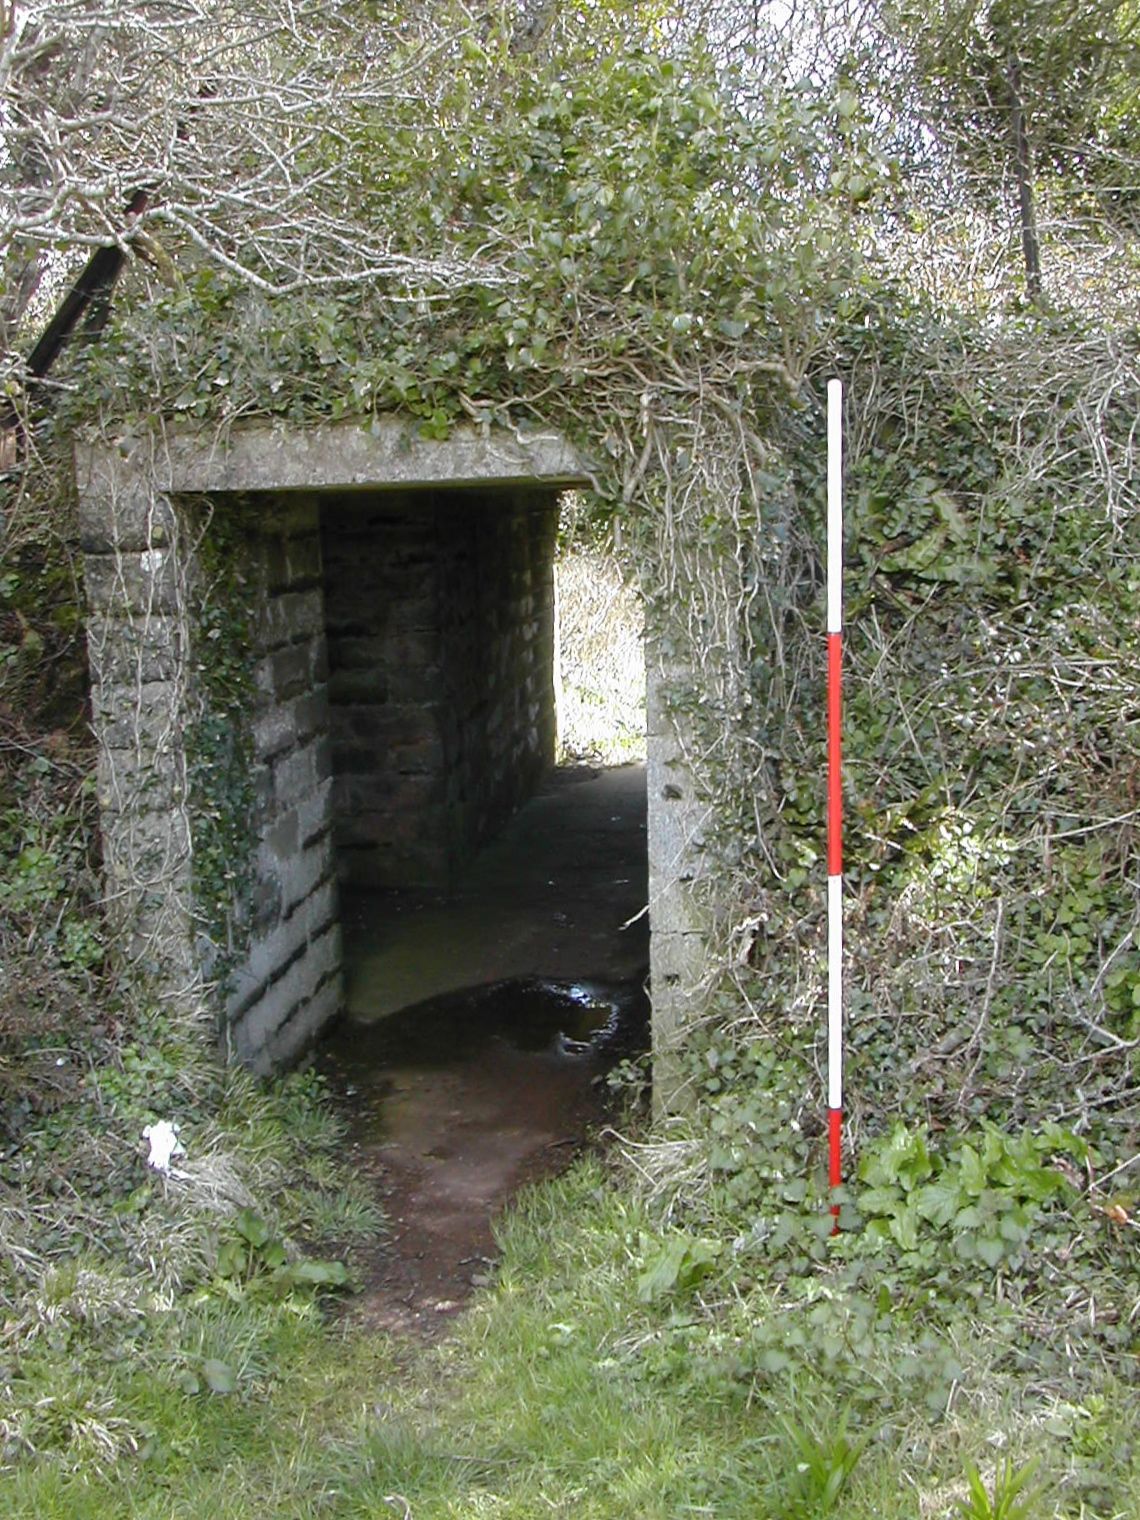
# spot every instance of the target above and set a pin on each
(161, 1357)
(563, 1393)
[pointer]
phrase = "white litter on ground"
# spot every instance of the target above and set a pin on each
(164, 1143)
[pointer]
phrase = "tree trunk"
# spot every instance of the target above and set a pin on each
(1023, 169)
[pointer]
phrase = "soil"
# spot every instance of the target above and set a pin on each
(489, 1074)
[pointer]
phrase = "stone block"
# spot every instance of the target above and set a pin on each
(283, 839)
(361, 651)
(408, 648)
(370, 685)
(301, 874)
(318, 910)
(293, 564)
(412, 810)
(258, 1009)
(288, 618)
(387, 453)
(127, 516)
(146, 583)
(325, 954)
(129, 651)
(358, 652)
(291, 514)
(424, 685)
(421, 756)
(315, 812)
(261, 785)
(146, 717)
(322, 745)
(296, 775)
(293, 1039)
(353, 759)
(384, 727)
(256, 1023)
(265, 904)
(273, 733)
(291, 670)
(243, 991)
(361, 792)
(373, 866)
(270, 954)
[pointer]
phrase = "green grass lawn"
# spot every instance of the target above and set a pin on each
(563, 1392)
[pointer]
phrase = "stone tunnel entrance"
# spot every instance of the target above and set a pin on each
(399, 628)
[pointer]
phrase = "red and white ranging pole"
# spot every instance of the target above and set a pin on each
(834, 784)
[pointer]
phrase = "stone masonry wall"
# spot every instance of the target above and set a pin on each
(497, 627)
(148, 651)
(288, 986)
(677, 819)
(137, 574)
(385, 688)
(440, 619)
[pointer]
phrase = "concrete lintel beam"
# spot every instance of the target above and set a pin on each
(387, 453)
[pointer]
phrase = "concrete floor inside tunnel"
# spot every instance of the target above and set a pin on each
(560, 894)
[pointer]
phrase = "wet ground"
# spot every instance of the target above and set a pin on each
(550, 897)
(480, 1030)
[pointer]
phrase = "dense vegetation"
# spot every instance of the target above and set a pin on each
(665, 247)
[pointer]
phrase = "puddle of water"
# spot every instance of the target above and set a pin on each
(529, 1014)
(456, 1102)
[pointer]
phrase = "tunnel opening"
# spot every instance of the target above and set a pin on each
(466, 856)
(439, 620)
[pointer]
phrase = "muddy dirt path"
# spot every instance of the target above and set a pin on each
(490, 1074)
(452, 1107)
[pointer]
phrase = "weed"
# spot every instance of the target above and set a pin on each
(1010, 1498)
(823, 1464)
(251, 1256)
